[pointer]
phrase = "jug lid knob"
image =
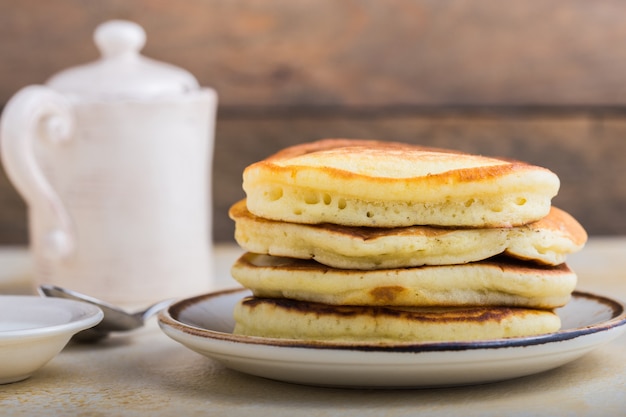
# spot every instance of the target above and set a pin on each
(122, 72)
(119, 37)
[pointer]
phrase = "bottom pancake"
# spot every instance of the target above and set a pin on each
(291, 319)
(501, 282)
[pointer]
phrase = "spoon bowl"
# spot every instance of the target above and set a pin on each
(115, 319)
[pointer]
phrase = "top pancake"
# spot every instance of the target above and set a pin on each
(388, 184)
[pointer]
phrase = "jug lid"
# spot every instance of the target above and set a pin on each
(122, 72)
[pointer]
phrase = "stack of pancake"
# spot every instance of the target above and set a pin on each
(370, 241)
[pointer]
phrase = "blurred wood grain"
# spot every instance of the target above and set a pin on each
(538, 81)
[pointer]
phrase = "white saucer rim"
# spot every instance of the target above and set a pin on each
(84, 316)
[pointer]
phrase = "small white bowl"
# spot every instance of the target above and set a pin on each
(33, 330)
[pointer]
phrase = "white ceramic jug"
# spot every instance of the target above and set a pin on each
(113, 159)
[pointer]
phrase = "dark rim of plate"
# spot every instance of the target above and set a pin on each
(171, 316)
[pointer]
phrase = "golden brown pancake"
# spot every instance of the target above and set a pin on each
(389, 184)
(547, 241)
(284, 318)
(493, 282)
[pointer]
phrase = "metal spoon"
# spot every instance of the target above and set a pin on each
(115, 319)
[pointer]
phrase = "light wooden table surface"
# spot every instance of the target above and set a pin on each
(148, 374)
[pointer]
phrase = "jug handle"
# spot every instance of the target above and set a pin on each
(38, 113)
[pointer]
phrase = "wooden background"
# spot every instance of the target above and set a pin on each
(541, 81)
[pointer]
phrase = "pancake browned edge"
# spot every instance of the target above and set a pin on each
(388, 184)
(547, 241)
(284, 318)
(497, 281)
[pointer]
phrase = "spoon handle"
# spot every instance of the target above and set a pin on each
(154, 309)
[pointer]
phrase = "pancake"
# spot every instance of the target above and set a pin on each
(547, 241)
(388, 184)
(493, 282)
(284, 318)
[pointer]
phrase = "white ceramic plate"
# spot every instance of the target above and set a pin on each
(204, 324)
(34, 329)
